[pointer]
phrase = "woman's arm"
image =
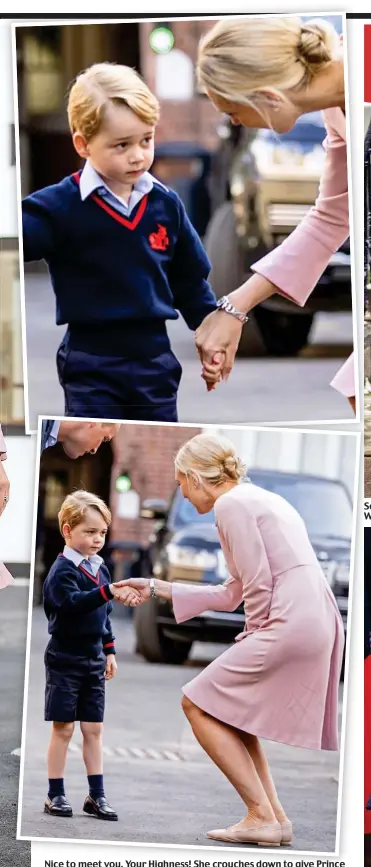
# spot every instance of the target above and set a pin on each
(241, 537)
(190, 599)
(2, 446)
(4, 481)
(295, 266)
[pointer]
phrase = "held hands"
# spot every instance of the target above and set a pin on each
(217, 341)
(132, 592)
(4, 488)
(111, 666)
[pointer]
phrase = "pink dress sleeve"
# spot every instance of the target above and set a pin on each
(2, 446)
(296, 265)
(242, 543)
(190, 600)
(5, 577)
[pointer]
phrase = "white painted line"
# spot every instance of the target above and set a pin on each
(21, 582)
(16, 752)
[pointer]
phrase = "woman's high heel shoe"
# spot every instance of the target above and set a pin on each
(266, 835)
(286, 828)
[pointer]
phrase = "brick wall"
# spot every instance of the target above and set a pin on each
(147, 452)
(195, 120)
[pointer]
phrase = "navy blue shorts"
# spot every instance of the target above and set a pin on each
(100, 386)
(75, 687)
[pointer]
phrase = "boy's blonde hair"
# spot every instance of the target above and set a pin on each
(105, 83)
(73, 509)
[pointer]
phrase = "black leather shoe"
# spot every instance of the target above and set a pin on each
(100, 809)
(58, 806)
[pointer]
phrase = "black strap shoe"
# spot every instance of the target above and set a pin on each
(100, 809)
(58, 806)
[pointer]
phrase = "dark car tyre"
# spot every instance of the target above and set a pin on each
(272, 332)
(227, 272)
(284, 334)
(152, 643)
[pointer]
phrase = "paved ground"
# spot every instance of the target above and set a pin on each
(260, 389)
(164, 787)
(13, 622)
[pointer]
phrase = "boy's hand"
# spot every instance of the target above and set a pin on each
(111, 666)
(212, 372)
(127, 595)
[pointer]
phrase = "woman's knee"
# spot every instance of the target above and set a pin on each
(188, 707)
(63, 731)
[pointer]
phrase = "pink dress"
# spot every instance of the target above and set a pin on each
(296, 265)
(5, 576)
(280, 679)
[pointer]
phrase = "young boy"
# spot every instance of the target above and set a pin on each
(80, 655)
(122, 255)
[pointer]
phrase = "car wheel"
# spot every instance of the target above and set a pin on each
(228, 270)
(284, 334)
(152, 643)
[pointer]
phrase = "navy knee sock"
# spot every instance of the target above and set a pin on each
(96, 788)
(56, 788)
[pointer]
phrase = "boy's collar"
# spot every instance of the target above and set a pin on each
(77, 558)
(91, 181)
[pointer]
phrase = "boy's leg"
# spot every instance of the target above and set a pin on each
(91, 713)
(58, 746)
(98, 386)
(154, 384)
(56, 803)
(63, 682)
(91, 385)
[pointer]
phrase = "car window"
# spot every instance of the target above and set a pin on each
(324, 505)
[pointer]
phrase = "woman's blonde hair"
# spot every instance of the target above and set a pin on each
(105, 83)
(210, 458)
(237, 59)
(73, 509)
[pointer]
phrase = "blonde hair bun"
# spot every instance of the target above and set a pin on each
(317, 42)
(210, 458)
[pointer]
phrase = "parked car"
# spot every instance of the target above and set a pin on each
(184, 546)
(261, 186)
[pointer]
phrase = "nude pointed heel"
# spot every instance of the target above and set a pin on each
(286, 828)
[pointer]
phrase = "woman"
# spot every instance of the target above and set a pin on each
(280, 679)
(267, 72)
(5, 577)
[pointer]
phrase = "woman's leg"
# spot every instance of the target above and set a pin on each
(259, 758)
(92, 747)
(57, 752)
(226, 749)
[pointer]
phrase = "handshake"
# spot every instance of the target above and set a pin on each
(132, 592)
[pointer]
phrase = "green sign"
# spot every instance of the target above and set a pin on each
(123, 483)
(162, 40)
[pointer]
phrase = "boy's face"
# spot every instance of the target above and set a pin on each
(89, 536)
(122, 150)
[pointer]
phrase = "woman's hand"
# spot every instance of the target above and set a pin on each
(126, 595)
(4, 488)
(217, 341)
(220, 333)
(111, 666)
(163, 589)
(132, 591)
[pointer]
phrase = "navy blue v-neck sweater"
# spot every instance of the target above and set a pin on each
(78, 606)
(116, 279)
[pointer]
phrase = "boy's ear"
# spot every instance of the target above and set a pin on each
(66, 529)
(81, 145)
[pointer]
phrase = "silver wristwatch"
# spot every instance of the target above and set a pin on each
(152, 587)
(225, 304)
